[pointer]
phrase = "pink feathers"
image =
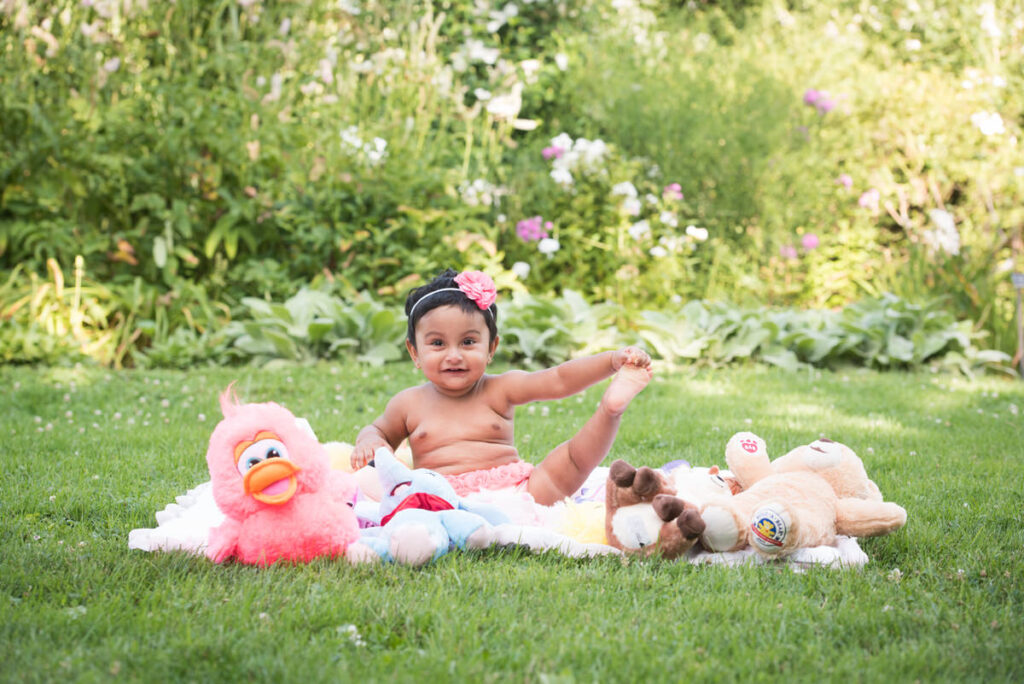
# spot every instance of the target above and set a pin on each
(273, 481)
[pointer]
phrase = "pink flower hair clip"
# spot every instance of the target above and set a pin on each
(478, 287)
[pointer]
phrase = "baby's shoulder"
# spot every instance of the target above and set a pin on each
(408, 396)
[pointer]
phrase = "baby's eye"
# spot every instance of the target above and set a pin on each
(435, 343)
(468, 341)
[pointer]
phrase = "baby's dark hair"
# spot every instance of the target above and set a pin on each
(451, 296)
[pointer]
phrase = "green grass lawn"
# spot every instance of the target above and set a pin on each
(89, 455)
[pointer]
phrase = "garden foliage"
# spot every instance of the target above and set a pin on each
(192, 161)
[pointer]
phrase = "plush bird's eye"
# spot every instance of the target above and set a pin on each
(260, 451)
(718, 480)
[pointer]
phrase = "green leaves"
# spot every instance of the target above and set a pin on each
(883, 333)
(314, 325)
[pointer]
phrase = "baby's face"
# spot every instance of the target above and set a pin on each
(452, 348)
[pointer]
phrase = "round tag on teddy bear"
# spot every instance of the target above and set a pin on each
(770, 526)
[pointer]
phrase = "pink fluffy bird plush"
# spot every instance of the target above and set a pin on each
(273, 481)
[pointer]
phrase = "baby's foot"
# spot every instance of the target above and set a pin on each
(626, 384)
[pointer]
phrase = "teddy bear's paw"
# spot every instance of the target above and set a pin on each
(647, 483)
(745, 445)
(622, 474)
(412, 545)
(770, 526)
(721, 529)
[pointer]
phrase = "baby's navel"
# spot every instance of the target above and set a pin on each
(496, 427)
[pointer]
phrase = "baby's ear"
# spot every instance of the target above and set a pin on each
(411, 348)
(494, 345)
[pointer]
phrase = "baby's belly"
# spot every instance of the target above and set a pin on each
(464, 456)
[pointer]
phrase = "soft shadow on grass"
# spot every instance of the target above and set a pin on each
(91, 454)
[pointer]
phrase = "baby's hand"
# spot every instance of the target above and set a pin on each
(632, 356)
(363, 453)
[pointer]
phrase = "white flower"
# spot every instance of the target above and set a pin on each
(640, 229)
(698, 234)
(625, 188)
(989, 123)
(989, 21)
(476, 51)
(376, 150)
(631, 206)
(561, 176)
(350, 138)
(112, 64)
(482, 95)
(521, 269)
(563, 141)
(669, 219)
(326, 72)
(530, 68)
(945, 236)
(658, 251)
(507, 106)
(562, 61)
(548, 246)
(912, 44)
(286, 26)
(480, 192)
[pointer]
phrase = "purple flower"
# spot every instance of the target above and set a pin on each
(811, 97)
(845, 180)
(820, 100)
(532, 229)
(870, 199)
(552, 152)
(809, 241)
(788, 252)
(673, 191)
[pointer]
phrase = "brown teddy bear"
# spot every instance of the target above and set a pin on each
(802, 499)
(643, 515)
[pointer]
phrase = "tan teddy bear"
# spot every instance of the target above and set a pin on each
(643, 515)
(802, 499)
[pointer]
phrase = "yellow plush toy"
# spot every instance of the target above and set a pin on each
(804, 498)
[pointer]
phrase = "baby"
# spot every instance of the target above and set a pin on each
(460, 421)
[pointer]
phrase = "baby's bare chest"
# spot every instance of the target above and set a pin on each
(446, 422)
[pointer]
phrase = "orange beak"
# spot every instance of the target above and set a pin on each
(273, 481)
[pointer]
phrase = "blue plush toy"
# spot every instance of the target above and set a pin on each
(421, 517)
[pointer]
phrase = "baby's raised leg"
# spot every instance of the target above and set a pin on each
(566, 468)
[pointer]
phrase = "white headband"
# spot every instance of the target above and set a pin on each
(443, 289)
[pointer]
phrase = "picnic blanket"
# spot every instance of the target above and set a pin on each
(568, 527)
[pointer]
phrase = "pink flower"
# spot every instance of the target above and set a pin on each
(531, 229)
(809, 241)
(478, 286)
(673, 191)
(552, 152)
(870, 199)
(787, 252)
(845, 180)
(820, 100)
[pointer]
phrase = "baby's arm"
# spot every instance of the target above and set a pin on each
(388, 430)
(570, 377)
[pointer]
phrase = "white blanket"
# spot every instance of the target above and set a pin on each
(185, 526)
